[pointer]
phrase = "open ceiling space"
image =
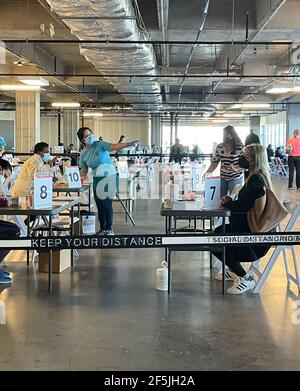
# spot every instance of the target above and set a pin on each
(84, 50)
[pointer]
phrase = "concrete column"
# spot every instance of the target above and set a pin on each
(156, 130)
(70, 126)
(292, 119)
(255, 124)
(27, 120)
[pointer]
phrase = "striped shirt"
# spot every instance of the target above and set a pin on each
(228, 160)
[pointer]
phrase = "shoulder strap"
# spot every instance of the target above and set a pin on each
(263, 179)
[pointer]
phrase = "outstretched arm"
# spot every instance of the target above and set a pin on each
(116, 147)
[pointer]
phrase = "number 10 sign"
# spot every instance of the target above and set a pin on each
(73, 177)
(42, 193)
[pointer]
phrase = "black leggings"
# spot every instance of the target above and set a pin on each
(236, 255)
(236, 267)
(294, 164)
(7, 231)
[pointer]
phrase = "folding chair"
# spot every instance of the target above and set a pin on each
(279, 168)
(263, 276)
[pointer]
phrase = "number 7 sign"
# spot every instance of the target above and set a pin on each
(212, 193)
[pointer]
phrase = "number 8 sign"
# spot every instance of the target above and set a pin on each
(42, 194)
(212, 193)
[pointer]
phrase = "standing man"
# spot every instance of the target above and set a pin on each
(293, 150)
(176, 152)
(252, 138)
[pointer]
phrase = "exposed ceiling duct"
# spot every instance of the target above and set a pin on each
(113, 20)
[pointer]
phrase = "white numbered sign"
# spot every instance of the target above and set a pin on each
(73, 177)
(123, 169)
(212, 193)
(42, 194)
(197, 173)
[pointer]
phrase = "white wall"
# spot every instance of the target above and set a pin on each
(49, 130)
(7, 127)
(273, 119)
(7, 115)
(111, 128)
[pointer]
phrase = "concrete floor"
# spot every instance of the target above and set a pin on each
(107, 315)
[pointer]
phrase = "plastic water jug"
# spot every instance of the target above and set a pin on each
(162, 277)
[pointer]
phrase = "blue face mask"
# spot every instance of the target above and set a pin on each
(90, 139)
(46, 157)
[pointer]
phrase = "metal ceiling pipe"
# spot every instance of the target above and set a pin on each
(264, 22)
(200, 29)
(112, 20)
(148, 42)
(163, 21)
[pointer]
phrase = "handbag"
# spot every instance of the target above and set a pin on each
(266, 213)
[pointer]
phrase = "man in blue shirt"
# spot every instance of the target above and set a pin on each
(95, 155)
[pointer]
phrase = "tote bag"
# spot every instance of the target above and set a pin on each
(266, 213)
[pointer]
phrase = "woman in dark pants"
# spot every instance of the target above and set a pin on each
(7, 231)
(95, 155)
(256, 161)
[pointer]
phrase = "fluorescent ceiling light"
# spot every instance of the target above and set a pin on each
(92, 114)
(251, 106)
(16, 87)
(219, 121)
(233, 115)
(34, 81)
(296, 89)
(278, 90)
(66, 104)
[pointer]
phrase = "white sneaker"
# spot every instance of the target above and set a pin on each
(229, 275)
(241, 285)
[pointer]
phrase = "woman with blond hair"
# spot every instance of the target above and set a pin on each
(254, 160)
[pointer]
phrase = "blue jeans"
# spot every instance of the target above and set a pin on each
(228, 185)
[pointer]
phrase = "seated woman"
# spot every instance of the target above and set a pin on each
(256, 161)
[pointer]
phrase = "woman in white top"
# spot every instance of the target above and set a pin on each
(36, 163)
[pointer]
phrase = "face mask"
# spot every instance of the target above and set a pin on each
(90, 139)
(227, 138)
(46, 157)
(243, 163)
